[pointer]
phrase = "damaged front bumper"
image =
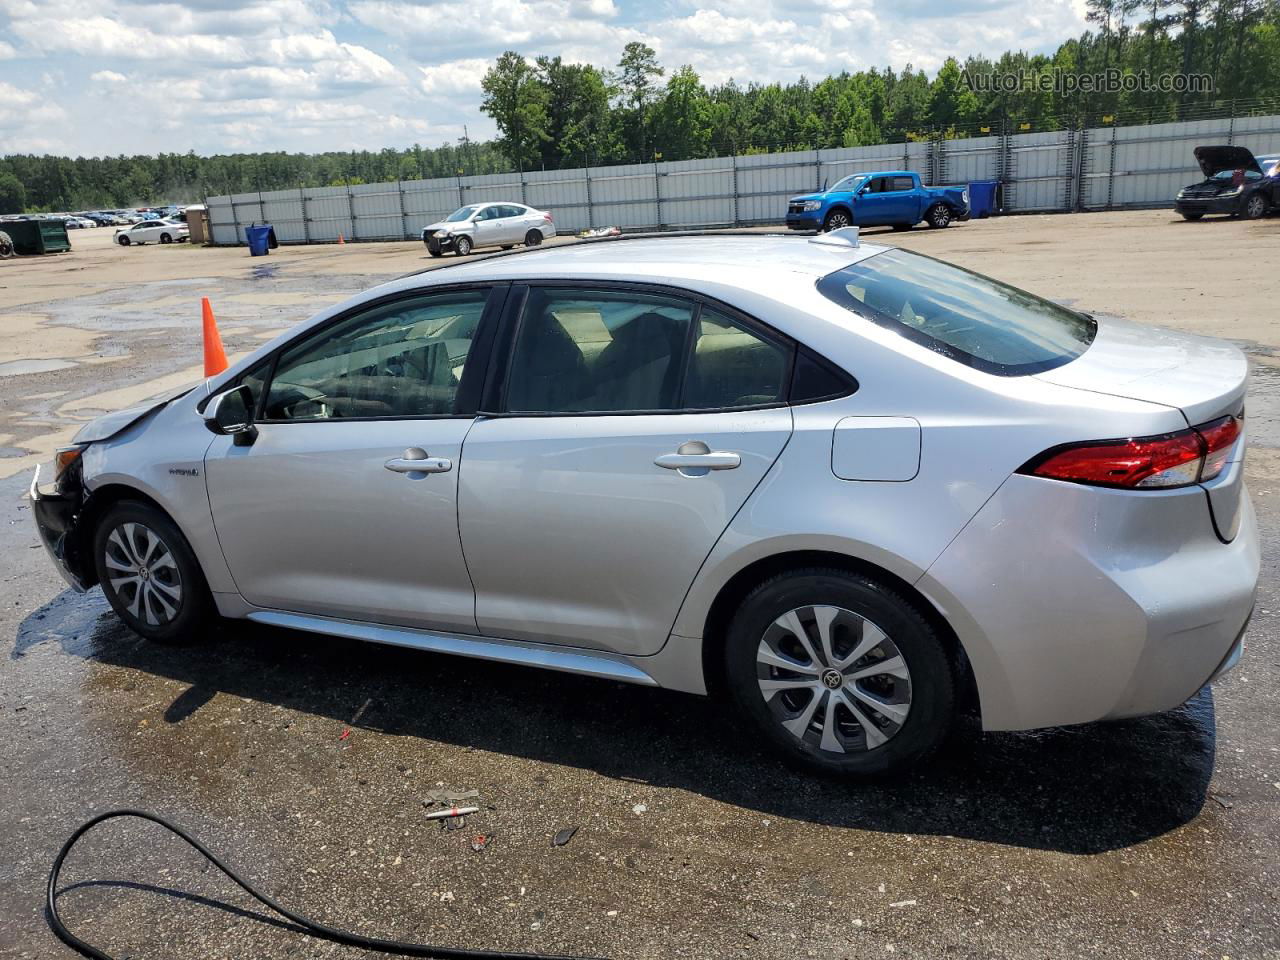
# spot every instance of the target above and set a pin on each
(57, 509)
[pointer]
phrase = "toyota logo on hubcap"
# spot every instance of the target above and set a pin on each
(832, 679)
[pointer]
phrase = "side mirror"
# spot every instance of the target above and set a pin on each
(231, 414)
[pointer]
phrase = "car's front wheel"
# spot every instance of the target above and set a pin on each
(150, 575)
(462, 245)
(939, 216)
(1194, 215)
(165, 238)
(836, 220)
(123, 241)
(1255, 206)
(840, 673)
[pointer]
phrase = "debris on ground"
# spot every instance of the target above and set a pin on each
(451, 813)
(480, 841)
(600, 232)
(639, 808)
(345, 733)
(448, 796)
(563, 837)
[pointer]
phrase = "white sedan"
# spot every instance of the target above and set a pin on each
(153, 231)
(488, 224)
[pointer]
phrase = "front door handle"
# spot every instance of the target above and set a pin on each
(695, 459)
(415, 460)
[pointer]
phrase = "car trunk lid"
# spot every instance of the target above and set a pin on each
(1205, 379)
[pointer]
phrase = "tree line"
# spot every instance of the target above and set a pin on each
(551, 114)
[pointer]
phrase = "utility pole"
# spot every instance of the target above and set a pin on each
(466, 147)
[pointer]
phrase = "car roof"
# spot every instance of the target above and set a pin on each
(751, 262)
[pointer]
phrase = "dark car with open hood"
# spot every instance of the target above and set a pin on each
(1235, 183)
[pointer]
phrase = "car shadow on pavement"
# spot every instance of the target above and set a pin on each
(1078, 790)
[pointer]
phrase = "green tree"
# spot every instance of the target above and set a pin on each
(951, 103)
(516, 101)
(13, 195)
(577, 105)
(684, 117)
(638, 71)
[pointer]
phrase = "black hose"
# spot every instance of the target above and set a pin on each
(312, 927)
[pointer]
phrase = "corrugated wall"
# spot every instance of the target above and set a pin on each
(1092, 169)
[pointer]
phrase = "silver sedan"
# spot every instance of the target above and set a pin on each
(853, 489)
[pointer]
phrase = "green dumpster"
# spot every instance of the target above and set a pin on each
(37, 236)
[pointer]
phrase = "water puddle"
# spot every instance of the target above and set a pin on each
(15, 368)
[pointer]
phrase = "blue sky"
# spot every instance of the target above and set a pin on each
(93, 77)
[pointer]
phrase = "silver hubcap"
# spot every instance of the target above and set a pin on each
(940, 216)
(833, 679)
(837, 221)
(143, 574)
(1255, 206)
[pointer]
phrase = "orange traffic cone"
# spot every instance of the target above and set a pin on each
(215, 359)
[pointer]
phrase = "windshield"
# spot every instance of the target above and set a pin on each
(463, 213)
(1228, 174)
(963, 315)
(850, 183)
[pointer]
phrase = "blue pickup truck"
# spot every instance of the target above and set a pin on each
(893, 198)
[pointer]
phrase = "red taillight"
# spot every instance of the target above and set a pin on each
(1219, 437)
(547, 217)
(1170, 460)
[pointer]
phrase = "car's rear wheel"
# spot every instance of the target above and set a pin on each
(1255, 206)
(165, 238)
(123, 241)
(939, 216)
(1193, 216)
(533, 238)
(150, 575)
(462, 245)
(835, 220)
(840, 673)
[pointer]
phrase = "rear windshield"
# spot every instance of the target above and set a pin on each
(963, 315)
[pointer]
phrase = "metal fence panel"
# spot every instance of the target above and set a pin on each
(1096, 168)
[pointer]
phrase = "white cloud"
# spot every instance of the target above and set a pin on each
(215, 75)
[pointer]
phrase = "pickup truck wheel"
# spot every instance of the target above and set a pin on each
(835, 220)
(939, 216)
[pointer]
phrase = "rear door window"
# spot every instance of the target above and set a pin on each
(972, 319)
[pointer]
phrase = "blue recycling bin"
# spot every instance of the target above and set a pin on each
(258, 238)
(982, 198)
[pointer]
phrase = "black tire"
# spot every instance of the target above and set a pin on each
(836, 219)
(533, 238)
(1192, 216)
(121, 541)
(123, 241)
(165, 238)
(1254, 206)
(508, 246)
(902, 226)
(435, 253)
(462, 245)
(6, 246)
(930, 686)
(938, 216)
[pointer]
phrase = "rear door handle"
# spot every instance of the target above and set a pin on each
(415, 460)
(695, 459)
